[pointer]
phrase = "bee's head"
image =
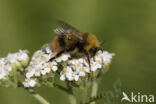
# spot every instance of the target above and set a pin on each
(93, 51)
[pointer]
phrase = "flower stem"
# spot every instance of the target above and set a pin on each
(61, 87)
(38, 97)
(94, 90)
(72, 99)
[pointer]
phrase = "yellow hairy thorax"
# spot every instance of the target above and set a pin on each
(93, 42)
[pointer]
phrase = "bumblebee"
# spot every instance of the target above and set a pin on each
(69, 39)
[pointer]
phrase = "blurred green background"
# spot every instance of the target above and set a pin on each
(127, 26)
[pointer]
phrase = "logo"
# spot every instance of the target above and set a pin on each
(137, 97)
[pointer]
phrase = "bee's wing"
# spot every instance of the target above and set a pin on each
(59, 31)
(66, 27)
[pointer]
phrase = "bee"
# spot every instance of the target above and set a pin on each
(69, 39)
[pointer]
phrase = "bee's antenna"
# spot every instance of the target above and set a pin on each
(101, 45)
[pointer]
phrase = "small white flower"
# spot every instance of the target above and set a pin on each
(82, 73)
(59, 59)
(67, 73)
(12, 58)
(63, 57)
(47, 70)
(26, 84)
(75, 76)
(29, 83)
(9, 68)
(29, 74)
(32, 83)
(69, 76)
(2, 74)
(43, 72)
(54, 63)
(54, 68)
(107, 57)
(48, 50)
(37, 73)
(62, 77)
(22, 55)
(81, 60)
(87, 69)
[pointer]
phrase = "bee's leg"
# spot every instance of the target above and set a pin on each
(88, 58)
(70, 49)
(57, 55)
(94, 58)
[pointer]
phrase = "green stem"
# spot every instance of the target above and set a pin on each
(61, 88)
(72, 99)
(38, 97)
(94, 90)
(85, 95)
(69, 91)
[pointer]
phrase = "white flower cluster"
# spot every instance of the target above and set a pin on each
(39, 65)
(79, 67)
(73, 68)
(13, 61)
